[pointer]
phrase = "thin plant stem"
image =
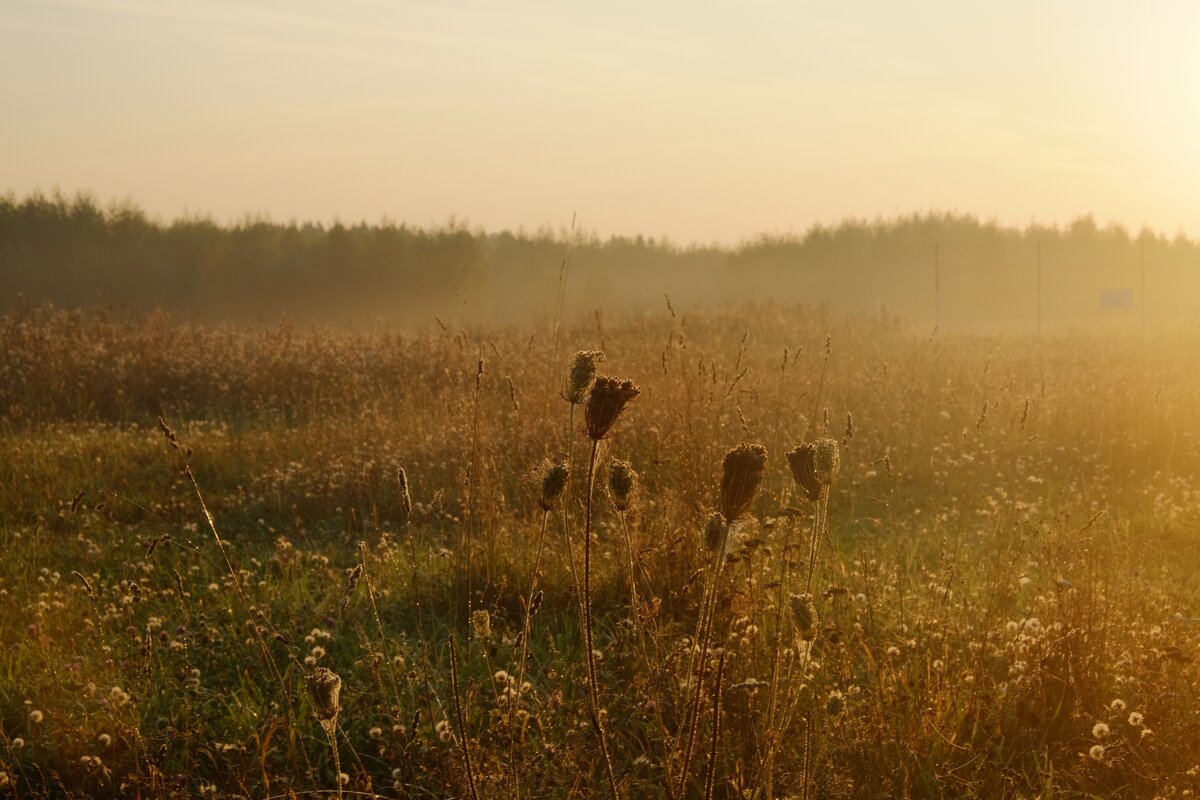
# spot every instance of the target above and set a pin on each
(462, 722)
(525, 627)
(588, 641)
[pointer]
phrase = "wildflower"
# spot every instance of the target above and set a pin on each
(1117, 705)
(581, 375)
(1100, 730)
(607, 400)
(1096, 753)
(104, 739)
(18, 743)
(741, 474)
(1136, 719)
(622, 482)
(35, 716)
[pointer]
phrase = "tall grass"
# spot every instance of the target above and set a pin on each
(974, 605)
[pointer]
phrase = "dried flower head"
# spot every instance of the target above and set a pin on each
(607, 400)
(804, 616)
(803, 462)
(481, 624)
(714, 532)
(741, 475)
(827, 460)
(622, 482)
(326, 689)
(580, 375)
(554, 482)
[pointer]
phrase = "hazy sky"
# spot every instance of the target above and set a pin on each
(700, 121)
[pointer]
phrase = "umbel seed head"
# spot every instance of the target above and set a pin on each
(741, 475)
(827, 460)
(804, 615)
(580, 375)
(622, 482)
(607, 400)
(803, 462)
(554, 481)
(326, 689)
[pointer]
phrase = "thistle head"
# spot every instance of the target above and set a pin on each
(622, 483)
(607, 400)
(802, 460)
(827, 459)
(325, 687)
(581, 375)
(553, 479)
(741, 474)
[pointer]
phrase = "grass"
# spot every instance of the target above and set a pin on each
(1008, 582)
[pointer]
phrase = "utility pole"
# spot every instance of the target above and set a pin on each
(1039, 289)
(937, 286)
(1142, 295)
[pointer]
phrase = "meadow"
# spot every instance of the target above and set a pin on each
(352, 564)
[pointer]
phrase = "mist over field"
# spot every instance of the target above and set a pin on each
(927, 269)
(562, 401)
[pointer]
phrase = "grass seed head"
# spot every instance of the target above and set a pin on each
(622, 483)
(607, 400)
(741, 475)
(802, 460)
(405, 497)
(581, 375)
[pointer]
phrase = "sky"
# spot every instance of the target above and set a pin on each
(700, 122)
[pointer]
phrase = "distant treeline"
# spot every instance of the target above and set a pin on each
(74, 251)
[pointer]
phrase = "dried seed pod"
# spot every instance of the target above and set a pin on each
(827, 460)
(326, 689)
(714, 532)
(581, 375)
(554, 482)
(804, 616)
(802, 460)
(622, 483)
(607, 400)
(741, 475)
(481, 624)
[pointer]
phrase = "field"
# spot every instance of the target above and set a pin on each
(1004, 597)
